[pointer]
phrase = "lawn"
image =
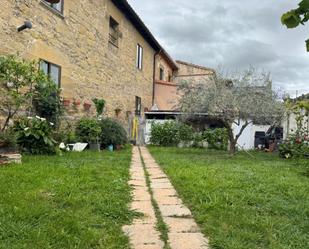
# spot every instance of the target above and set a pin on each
(242, 202)
(78, 200)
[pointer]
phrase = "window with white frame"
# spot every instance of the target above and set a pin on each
(139, 57)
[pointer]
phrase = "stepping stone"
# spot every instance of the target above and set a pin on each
(169, 200)
(174, 210)
(188, 241)
(181, 225)
(142, 235)
(138, 182)
(141, 194)
(158, 193)
(144, 207)
(162, 185)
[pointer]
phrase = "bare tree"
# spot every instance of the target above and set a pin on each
(246, 96)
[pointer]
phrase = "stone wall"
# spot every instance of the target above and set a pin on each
(193, 73)
(78, 41)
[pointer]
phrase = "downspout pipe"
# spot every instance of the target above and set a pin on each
(154, 76)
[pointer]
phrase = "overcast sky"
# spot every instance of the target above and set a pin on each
(232, 34)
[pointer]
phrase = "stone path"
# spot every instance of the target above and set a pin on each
(183, 230)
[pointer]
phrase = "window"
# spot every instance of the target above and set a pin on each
(139, 57)
(53, 70)
(113, 31)
(56, 6)
(161, 73)
(138, 105)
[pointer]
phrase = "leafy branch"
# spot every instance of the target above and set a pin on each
(295, 17)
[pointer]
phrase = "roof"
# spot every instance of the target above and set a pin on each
(137, 22)
(194, 65)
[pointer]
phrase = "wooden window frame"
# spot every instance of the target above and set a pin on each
(113, 38)
(49, 70)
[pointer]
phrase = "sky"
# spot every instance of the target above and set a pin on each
(233, 35)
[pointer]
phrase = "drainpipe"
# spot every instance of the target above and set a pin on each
(154, 76)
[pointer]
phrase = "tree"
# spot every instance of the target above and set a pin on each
(295, 17)
(244, 96)
(23, 86)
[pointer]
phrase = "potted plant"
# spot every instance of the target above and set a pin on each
(99, 105)
(87, 106)
(88, 130)
(66, 102)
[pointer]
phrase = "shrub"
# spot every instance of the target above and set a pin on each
(112, 133)
(47, 102)
(88, 130)
(7, 140)
(297, 145)
(34, 135)
(171, 133)
(217, 138)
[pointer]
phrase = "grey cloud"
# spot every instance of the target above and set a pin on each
(231, 33)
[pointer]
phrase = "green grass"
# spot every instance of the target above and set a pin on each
(242, 202)
(78, 200)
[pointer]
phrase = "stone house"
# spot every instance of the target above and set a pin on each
(95, 49)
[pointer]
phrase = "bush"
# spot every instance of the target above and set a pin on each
(170, 133)
(34, 135)
(297, 145)
(88, 130)
(7, 140)
(216, 138)
(47, 102)
(112, 133)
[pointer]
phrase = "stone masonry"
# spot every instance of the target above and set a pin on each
(78, 41)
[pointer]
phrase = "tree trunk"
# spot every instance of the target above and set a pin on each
(233, 143)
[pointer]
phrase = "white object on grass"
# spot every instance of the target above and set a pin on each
(79, 147)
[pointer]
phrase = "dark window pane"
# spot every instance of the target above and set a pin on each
(54, 74)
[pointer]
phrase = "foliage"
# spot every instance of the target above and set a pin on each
(112, 133)
(34, 135)
(88, 130)
(241, 201)
(78, 200)
(47, 101)
(167, 134)
(171, 133)
(23, 85)
(216, 138)
(297, 144)
(7, 139)
(99, 105)
(295, 17)
(15, 75)
(226, 98)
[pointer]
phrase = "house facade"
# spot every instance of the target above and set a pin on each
(92, 49)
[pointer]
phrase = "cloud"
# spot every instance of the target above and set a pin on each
(232, 33)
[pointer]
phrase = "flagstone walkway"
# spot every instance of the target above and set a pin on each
(183, 232)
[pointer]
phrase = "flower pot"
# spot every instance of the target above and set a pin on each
(87, 106)
(94, 146)
(66, 102)
(76, 102)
